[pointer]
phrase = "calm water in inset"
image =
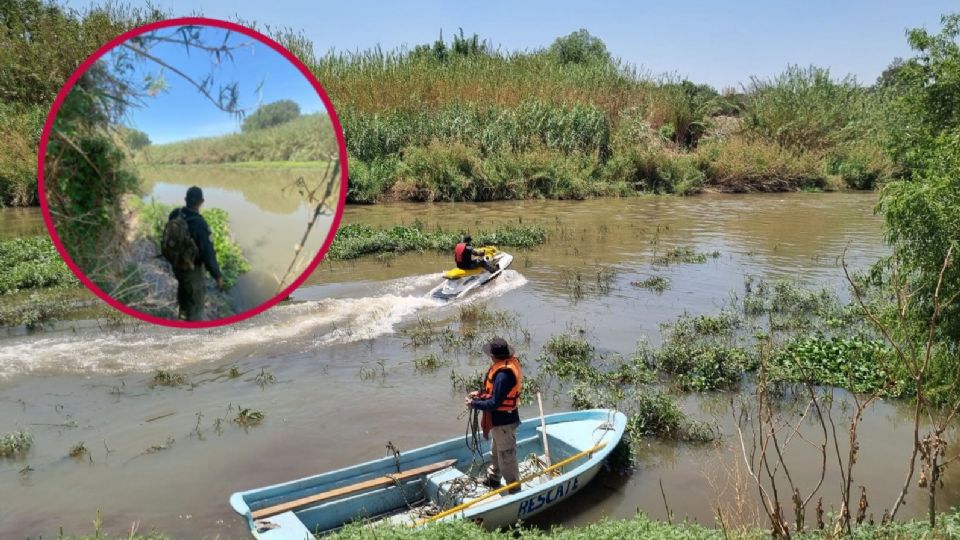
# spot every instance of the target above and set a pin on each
(346, 384)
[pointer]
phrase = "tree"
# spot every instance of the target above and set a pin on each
(580, 47)
(272, 114)
(922, 211)
(133, 138)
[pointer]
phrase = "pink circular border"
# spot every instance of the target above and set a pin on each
(44, 206)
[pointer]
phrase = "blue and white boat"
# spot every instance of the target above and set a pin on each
(436, 482)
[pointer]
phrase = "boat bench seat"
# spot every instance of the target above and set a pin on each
(285, 526)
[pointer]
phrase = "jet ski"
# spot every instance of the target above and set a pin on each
(458, 282)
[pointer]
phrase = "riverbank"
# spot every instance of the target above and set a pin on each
(460, 120)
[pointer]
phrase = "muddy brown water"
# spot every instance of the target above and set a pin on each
(345, 382)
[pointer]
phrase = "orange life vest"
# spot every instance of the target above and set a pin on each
(512, 401)
(458, 252)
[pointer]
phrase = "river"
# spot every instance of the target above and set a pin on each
(344, 381)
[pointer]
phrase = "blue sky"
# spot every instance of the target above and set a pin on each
(722, 43)
(181, 112)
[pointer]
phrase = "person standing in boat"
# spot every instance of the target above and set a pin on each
(463, 255)
(499, 402)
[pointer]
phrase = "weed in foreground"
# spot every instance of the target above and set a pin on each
(657, 284)
(248, 417)
(162, 377)
(15, 444)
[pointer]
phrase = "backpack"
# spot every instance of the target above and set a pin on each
(178, 246)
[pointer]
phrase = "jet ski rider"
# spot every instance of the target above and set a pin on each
(464, 256)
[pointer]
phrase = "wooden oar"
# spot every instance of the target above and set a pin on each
(381, 481)
(543, 425)
(512, 485)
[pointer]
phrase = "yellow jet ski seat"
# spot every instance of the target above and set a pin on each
(458, 273)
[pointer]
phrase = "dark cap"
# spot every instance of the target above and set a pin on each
(194, 196)
(498, 348)
(467, 239)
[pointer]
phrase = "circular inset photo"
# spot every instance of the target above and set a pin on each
(192, 172)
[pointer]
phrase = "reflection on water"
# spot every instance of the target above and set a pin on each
(324, 412)
(267, 217)
(20, 222)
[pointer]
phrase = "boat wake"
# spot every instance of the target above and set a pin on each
(323, 322)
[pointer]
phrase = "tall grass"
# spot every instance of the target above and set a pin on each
(544, 117)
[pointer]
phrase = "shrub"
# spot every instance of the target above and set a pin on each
(740, 164)
(271, 114)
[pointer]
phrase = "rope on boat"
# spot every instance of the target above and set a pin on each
(512, 485)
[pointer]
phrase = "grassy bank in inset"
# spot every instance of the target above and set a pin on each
(306, 139)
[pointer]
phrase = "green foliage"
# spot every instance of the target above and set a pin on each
(861, 166)
(702, 367)
(654, 170)
(38, 307)
(657, 284)
(656, 414)
(153, 217)
(858, 364)
(923, 95)
(370, 182)
(580, 48)
(15, 444)
(741, 163)
(429, 363)
(271, 114)
(529, 125)
(41, 44)
(922, 210)
(568, 357)
(356, 240)
(460, 47)
(31, 263)
(133, 138)
(680, 255)
(804, 109)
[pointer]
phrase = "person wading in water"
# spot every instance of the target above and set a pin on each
(499, 401)
(189, 248)
(464, 256)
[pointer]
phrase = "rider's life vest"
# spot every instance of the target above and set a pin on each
(458, 252)
(511, 402)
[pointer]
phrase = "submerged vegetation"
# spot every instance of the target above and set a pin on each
(31, 263)
(15, 444)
